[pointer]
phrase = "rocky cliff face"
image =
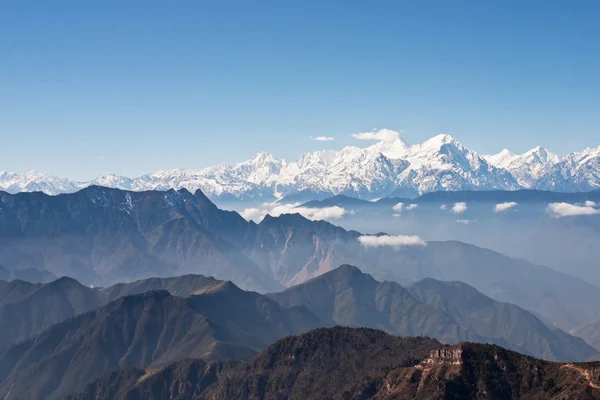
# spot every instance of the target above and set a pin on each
(473, 371)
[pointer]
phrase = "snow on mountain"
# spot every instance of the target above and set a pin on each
(502, 159)
(390, 166)
(575, 172)
(35, 181)
(114, 181)
(442, 163)
(541, 169)
(527, 168)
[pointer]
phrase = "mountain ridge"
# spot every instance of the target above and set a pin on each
(358, 363)
(450, 312)
(145, 330)
(102, 236)
(390, 167)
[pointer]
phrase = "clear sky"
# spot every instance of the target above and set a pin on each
(129, 87)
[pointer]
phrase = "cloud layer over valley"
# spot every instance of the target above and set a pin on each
(275, 210)
(391, 241)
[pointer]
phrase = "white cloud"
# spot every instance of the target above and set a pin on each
(443, 207)
(322, 138)
(466, 221)
(560, 210)
(398, 207)
(504, 206)
(459, 208)
(385, 135)
(275, 210)
(253, 214)
(101, 158)
(590, 203)
(316, 214)
(396, 215)
(391, 241)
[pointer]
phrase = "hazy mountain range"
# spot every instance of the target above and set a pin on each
(448, 311)
(555, 229)
(391, 167)
(104, 236)
(63, 335)
(142, 309)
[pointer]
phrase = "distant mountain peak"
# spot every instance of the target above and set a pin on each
(384, 168)
(347, 269)
(291, 218)
(442, 138)
(502, 159)
(541, 155)
(263, 158)
(65, 281)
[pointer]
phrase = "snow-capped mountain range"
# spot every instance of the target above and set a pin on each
(390, 167)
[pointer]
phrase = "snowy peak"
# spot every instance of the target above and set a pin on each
(388, 167)
(391, 145)
(316, 158)
(528, 168)
(540, 155)
(502, 159)
(441, 152)
(507, 159)
(440, 140)
(263, 159)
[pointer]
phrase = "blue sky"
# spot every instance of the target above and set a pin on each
(94, 87)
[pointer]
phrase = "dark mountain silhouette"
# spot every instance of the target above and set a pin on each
(187, 379)
(325, 363)
(145, 331)
(103, 236)
(451, 312)
(27, 309)
(137, 331)
(489, 318)
(347, 363)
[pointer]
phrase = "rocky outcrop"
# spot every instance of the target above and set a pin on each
(447, 355)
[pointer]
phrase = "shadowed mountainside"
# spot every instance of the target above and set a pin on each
(27, 309)
(347, 363)
(146, 330)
